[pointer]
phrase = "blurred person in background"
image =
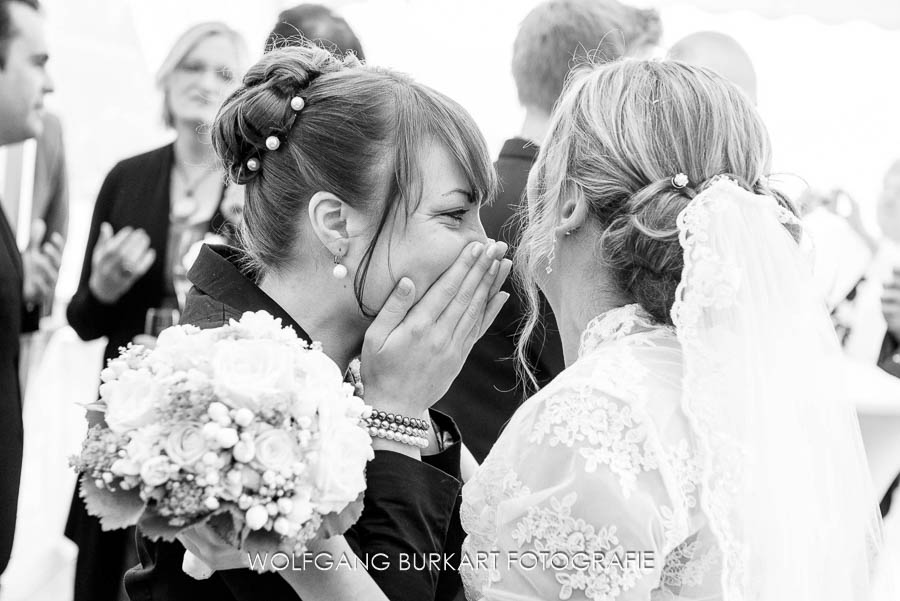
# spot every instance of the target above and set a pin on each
(27, 279)
(553, 38)
(720, 53)
(152, 211)
(44, 203)
(318, 24)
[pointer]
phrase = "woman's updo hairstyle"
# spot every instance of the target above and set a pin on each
(619, 135)
(357, 136)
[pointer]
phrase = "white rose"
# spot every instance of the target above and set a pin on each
(260, 324)
(317, 379)
(144, 443)
(186, 444)
(301, 510)
(339, 472)
(276, 450)
(246, 371)
(183, 347)
(131, 400)
(156, 471)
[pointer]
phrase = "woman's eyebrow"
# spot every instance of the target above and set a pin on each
(467, 193)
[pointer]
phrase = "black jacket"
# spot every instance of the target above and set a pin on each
(135, 194)
(487, 391)
(410, 506)
(14, 319)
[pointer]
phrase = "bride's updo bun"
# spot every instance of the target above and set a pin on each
(304, 121)
(619, 135)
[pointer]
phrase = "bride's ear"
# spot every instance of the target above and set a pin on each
(574, 212)
(328, 217)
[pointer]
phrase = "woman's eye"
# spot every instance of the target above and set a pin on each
(457, 215)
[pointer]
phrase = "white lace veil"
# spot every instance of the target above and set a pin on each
(785, 484)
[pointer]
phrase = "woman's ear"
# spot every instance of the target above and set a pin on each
(328, 217)
(574, 214)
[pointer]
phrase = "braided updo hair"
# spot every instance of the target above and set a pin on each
(357, 136)
(618, 136)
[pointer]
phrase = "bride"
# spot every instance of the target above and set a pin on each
(697, 446)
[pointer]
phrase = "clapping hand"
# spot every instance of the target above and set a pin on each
(119, 261)
(40, 263)
(890, 303)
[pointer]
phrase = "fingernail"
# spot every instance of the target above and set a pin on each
(494, 267)
(505, 296)
(476, 250)
(405, 287)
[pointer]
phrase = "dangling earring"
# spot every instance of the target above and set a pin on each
(339, 271)
(551, 256)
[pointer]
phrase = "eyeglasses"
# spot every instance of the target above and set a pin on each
(198, 69)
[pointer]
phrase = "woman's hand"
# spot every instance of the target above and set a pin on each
(412, 353)
(119, 261)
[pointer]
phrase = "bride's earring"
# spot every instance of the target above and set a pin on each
(339, 271)
(551, 256)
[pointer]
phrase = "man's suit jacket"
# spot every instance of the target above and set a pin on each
(12, 317)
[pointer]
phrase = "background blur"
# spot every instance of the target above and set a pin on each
(829, 88)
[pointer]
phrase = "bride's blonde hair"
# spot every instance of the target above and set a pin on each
(619, 134)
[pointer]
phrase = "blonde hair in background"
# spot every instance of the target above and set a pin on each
(185, 44)
(618, 135)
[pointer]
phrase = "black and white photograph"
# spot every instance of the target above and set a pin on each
(449, 300)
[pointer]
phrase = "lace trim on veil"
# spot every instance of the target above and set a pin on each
(709, 281)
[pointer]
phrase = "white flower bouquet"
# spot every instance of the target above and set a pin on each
(246, 428)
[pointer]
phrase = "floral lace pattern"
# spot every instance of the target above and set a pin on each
(686, 565)
(555, 531)
(606, 433)
(616, 324)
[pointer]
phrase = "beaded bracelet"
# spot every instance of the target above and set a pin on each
(406, 430)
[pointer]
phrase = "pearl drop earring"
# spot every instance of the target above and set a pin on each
(339, 271)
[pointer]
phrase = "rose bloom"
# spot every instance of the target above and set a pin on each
(345, 448)
(246, 371)
(156, 471)
(131, 401)
(186, 444)
(143, 443)
(276, 450)
(183, 347)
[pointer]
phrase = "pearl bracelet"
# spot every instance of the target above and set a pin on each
(405, 430)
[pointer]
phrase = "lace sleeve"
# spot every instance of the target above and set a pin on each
(590, 518)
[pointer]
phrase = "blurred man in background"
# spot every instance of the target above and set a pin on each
(26, 280)
(720, 53)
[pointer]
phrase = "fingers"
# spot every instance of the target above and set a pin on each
(114, 244)
(38, 230)
(52, 250)
(446, 288)
(392, 313)
(490, 314)
(133, 248)
(467, 309)
(143, 263)
(502, 275)
(106, 234)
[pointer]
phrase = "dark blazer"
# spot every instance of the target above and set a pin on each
(136, 194)
(409, 506)
(13, 317)
(487, 391)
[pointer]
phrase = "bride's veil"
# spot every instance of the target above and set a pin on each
(785, 484)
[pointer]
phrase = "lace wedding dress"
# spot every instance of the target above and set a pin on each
(717, 460)
(599, 463)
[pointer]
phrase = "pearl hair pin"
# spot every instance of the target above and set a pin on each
(679, 181)
(273, 143)
(297, 103)
(253, 164)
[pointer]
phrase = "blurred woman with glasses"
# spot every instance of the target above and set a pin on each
(151, 212)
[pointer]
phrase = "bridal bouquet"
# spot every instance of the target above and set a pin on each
(245, 427)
